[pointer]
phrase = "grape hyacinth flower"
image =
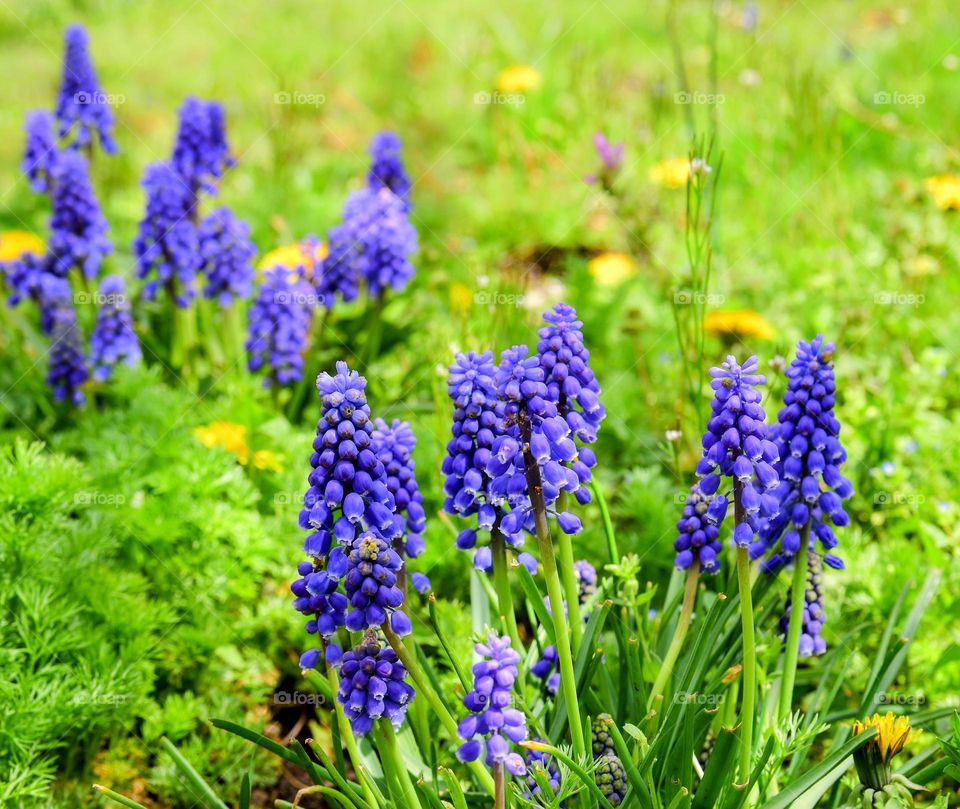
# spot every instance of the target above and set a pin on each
(167, 248)
(373, 685)
(78, 228)
(201, 153)
(68, 364)
(227, 254)
(279, 328)
(811, 489)
(387, 170)
(811, 640)
(113, 339)
(492, 718)
(26, 275)
(611, 778)
(540, 763)
(82, 107)
(611, 162)
(601, 739)
(698, 539)
(40, 152)
(394, 446)
(351, 520)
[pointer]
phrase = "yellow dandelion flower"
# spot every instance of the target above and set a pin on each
(611, 269)
(266, 460)
(945, 190)
(672, 173)
(893, 733)
(461, 298)
(294, 256)
(16, 243)
(518, 79)
(232, 437)
(738, 323)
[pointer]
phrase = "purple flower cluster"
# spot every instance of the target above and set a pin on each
(78, 228)
(41, 152)
(374, 244)
(279, 326)
(811, 639)
(736, 446)
(68, 364)
(81, 104)
(611, 161)
(201, 154)
(542, 764)
(387, 170)
(113, 339)
(492, 718)
(698, 531)
(394, 446)
(533, 433)
(26, 277)
(469, 488)
(373, 685)
(351, 519)
(227, 254)
(811, 489)
(167, 248)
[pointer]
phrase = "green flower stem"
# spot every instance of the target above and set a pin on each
(374, 330)
(749, 664)
(425, 689)
(499, 786)
(346, 733)
(581, 774)
(235, 334)
(214, 349)
(390, 754)
(683, 624)
(123, 800)
(608, 531)
(798, 595)
(568, 573)
(568, 680)
(501, 582)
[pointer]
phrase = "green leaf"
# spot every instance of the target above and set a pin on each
(206, 793)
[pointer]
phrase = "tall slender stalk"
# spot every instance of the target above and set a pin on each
(568, 680)
(346, 733)
(683, 624)
(499, 786)
(501, 582)
(797, 603)
(568, 574)
(749, 646)
(394, 761)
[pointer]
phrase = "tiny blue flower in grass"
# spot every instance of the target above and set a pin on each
(25, 276)
(227, 254)
(811, 638)
(113, 340)
(82, 107)
(394, 445)
(544, 765)
(811, 488)
(279, 327)
(386, 169)
(351, 520)
(736, 447)
(373, 685)
(201, 153)
(40, 152)
(167, 247)
(78, 237)
(698, 531)
(493, 723)
(469, 488)
(384, 239)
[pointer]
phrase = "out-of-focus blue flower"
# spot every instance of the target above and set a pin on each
(386, 169)
(492, 720)
(350, 517)
(78, 235)
(420, 582)
(469, 489)
(736, 447)
(373, 685)
(611, 161)
(25, 276)
(572, 385)
(811, 638)
(82, 107)
(68, 364)
(394, 445)
(538, 762)
(167, 247)
(40, 152)
(227, 254)
(201, 153)
(113, 339)
(279, 326)
(811, 488)
(374, 244)
(698, 531)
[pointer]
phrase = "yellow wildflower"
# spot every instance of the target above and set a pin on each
(16, 243)
(518, 79)
(672, 173)
(611, 269)
(265, 459)
(293, 256)
(232, 437)
(738, 323)
(945, 190)
(461, 298)
(893, 732)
